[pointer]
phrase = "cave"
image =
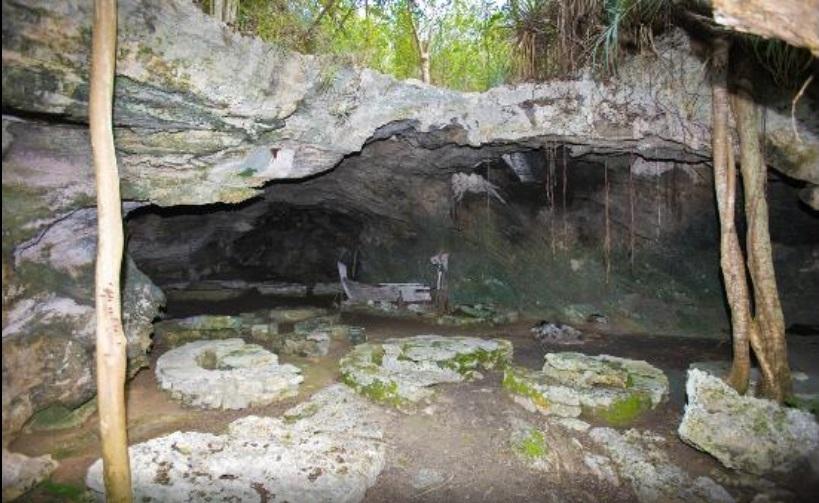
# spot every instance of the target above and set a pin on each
(549, 233)
(337, 285)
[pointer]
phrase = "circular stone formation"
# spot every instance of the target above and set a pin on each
(328, 449)
(615, 390)
(399, 372)
(226, 374)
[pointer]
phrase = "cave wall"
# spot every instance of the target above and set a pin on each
(204, 115)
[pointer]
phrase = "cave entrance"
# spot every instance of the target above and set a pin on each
(541, 229)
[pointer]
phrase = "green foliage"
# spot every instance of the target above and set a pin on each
(628, 22)
(788, 66)
(470, 47)
(478, 44)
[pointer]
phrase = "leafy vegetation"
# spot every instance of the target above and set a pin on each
(472, 45)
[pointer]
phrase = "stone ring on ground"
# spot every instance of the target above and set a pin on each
(226, 374)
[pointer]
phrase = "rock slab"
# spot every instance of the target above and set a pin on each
(226, 374)
(21, 473)
(399, 372)
(641, 460)
(745, 433)
(328, 449)
(613, 389)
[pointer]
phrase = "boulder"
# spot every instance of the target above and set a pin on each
(21, 473)
(399, 372)
(226, 374)
(329, 448)
(615, 390)
(557, 333)
(743, 432)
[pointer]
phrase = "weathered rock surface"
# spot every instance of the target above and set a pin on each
(744, 432)
(640, 459)
(329, 448)
(613, 389)
(21, 473)
(399, 372)
(247, 111)
(226, 374)
(48, 316)
(557, 333)
(206, 115)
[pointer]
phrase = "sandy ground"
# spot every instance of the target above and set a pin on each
(463, 438)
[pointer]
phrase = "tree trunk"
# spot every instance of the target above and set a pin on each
(217, 8)
(225, 11)
(768, 338)
(423, 51)
(111, 357)
(231, 11)
(731, 259)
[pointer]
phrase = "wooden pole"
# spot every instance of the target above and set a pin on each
(111, 355)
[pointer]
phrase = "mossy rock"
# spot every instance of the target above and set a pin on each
(605, 388)
(531, 445)
(399, 372)
(58, 417)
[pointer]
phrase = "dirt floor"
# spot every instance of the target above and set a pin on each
(460, 443)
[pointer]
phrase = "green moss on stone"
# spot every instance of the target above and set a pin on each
(58, 417)
(64, 492)
(515, 385)
(378, 391)
(377, 355)
(623, 411)
(466, 363)
(532, 445)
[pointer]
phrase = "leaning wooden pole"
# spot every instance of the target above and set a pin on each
(111, 344)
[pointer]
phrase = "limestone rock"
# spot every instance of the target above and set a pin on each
(641, 461)
(329, 448)
(744, 432)
(176, 332)
(805, 386)
(226, 374)
(313, 331)
(556, 333)
(613, 389)
(21, 473)
(58, 417)
(314, 344)
(48, 316)
(204, 114)
(399, 372)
